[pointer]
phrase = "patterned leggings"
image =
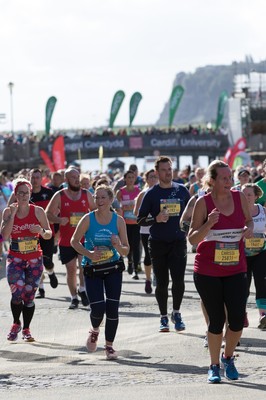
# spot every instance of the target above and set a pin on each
(23, 277)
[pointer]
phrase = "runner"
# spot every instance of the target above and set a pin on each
(24, 224)
(105, 243)
(72, 203)
(162, 207)
(255, 249)
(219, 221)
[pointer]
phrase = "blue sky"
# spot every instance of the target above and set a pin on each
(82, 52)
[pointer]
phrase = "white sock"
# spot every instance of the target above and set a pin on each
(50, 271)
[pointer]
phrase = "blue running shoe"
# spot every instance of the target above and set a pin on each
(177, 321)
(214, 374)
(164, 327)
(230, 371)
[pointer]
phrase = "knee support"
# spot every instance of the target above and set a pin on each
(48, 263)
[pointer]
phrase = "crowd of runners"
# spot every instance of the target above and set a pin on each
(102, 224)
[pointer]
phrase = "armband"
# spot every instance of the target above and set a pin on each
(146, 221)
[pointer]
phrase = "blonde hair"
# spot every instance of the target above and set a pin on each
(211, 172)
(108, 190)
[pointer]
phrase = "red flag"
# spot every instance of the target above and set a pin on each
(231, 153)
(58, 152)
(47, 160)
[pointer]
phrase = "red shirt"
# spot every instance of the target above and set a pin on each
(74, 211)
(22, 236)
(223, 250)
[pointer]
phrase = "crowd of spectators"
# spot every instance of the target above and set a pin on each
(25, 137)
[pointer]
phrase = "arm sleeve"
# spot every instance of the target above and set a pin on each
(144, 217)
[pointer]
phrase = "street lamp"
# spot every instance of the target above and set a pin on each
(11, 85)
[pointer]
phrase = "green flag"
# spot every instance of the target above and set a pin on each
(220, 110)
(175, 99)
(50, 105)
(116, 104)
(133, 106)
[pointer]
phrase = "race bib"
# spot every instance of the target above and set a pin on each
(172, 206)
(255, 244)
(27, 245)
(106, 254)
(226, 253)
(75, 218)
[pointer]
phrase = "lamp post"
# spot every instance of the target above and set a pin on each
(11, 85)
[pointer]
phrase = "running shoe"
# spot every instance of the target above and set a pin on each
(130, 269)
(91, 343)
(136, 277)
(26, 335)
(111, 354)
(164, 327)
(139, 269)
(13, 334)
(84, 298)
(74, 304)
(177, 321)
(40, 294)
(230, 371)
(148, 288)
(214, 374)
(262, 322)
(53, 280)
(205, 342)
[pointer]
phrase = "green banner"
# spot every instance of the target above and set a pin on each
(133, 106)
(175, 99)
(116, 104)
(50, 105)
(220, 110)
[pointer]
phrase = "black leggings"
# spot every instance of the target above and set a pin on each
(217, 292)
(144, 240)
(134, 243)
(257, 267)
(167, 257)
(104, 296)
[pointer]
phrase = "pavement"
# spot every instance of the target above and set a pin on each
(151, 365)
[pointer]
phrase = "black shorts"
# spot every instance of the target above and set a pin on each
(67, 253)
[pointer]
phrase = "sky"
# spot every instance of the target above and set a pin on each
(83, 51)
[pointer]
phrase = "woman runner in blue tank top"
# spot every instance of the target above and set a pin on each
(105, 242)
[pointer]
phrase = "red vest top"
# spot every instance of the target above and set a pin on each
(74, 211)
(222, 253)
(21, 236)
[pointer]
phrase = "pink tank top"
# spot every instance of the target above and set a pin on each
(221, 253)
(128, 204)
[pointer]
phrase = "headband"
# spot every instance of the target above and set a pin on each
(22, 183)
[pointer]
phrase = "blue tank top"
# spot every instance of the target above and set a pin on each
(99, 235)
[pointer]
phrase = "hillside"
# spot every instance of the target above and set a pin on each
(202, 91)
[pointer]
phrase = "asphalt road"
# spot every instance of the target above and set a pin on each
(151, 365)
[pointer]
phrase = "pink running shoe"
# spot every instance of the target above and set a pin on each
(13, 334)
(111, 354)
(91, 343)
(26, 335)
